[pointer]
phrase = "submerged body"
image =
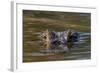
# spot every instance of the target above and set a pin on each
(63, 39)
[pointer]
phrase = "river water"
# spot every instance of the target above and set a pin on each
(34, 49)
(73, 51)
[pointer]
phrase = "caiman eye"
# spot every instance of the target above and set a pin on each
(44, 37)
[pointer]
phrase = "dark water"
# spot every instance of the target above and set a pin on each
(34, 49)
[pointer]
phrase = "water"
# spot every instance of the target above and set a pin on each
(73, 51)
(35, 22)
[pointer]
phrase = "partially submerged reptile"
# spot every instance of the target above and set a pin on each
(52, 37)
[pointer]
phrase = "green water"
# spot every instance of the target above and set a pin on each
(35, 22)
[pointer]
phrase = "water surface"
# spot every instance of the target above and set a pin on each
(35, 22)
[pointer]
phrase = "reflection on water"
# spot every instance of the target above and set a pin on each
(70, 51)
(61, 48)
